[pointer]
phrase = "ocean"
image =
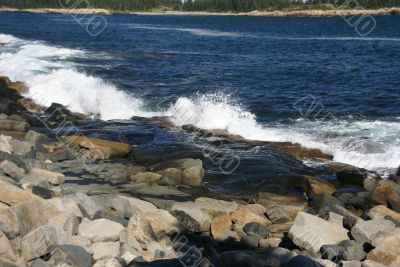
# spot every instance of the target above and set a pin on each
(307, 80)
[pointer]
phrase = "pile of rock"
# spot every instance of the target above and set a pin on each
(136, 213)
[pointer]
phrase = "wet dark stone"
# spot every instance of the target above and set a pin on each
(325, 204)
(349, 222)
(272, 257)
(42, 192)
(69, 253)
(352, 250)
(332, 252)
(104, 214)
(157, 263)
(302, 261)
(17, 160)
(249, 241)
(254, 228)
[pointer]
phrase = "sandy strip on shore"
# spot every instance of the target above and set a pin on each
(277, 13)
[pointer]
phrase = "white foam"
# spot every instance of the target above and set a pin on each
(85, 94)
(6, 39)
(372, 145)
(52, 78)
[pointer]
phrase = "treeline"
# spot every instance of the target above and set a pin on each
(119, 5)
(198, 5)
(238, 5)
(357, 3)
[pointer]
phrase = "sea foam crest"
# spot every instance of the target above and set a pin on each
(52, 78)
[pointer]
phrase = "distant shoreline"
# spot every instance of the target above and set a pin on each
(277, 13)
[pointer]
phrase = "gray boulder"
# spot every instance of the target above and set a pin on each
(8, 222)
(353, 251)
(87, 205)
(311, 233)
(36, 243)
(332, 252)
(100, 230)
(365, 232)
(190, 215)
(73, 255)
(12, 170)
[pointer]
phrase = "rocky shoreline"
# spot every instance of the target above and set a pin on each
(68, 199)
(276, 13)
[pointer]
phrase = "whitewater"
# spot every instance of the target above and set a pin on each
(52, 76)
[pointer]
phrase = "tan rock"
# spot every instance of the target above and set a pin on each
(250, 213)
(193, 176)
(316, 187)
(66, 205)
(296, 150)
(53, 178)
(179, 164)
(380, 212)
(35, 137)
(270, 242)
(8, 222)
(81, 241)
(365, 232)
(328, 263)
(30, 105)
(11, 134)
(101, 230)
(11, 194)
(66, 221)
(126, 206)
(5, 143)
(386, 191)
(215, 206)
(10, 125)
(173, 173)
(6, 251)
(117, 149)
(162, 222)
(105, 249)
(147, 226)
(32, 214)
(289, 205)
(21, 147)
(388, 241)
(36, 243)
(86, 204)
(133, 170)
(190, 215)
(107, 262)
(279, 230)
(146, 177)
(12, 170)
(336, 218)
(18, 86)
(220, 225)
(311, 232)
(384, 257)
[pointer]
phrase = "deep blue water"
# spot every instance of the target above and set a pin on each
(267, 63)
(243, 74)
